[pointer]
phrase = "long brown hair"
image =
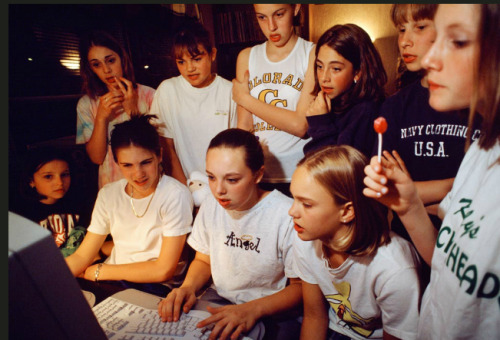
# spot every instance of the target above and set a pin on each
(355, 45)
(487, 79)
(340, 170)
(92, 85)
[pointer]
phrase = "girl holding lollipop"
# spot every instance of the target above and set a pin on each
(461, 300)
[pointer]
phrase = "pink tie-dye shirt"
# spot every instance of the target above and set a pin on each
(86, 112)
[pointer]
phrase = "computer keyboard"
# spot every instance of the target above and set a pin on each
(123, 320)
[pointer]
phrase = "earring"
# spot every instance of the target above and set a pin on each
(355, 81)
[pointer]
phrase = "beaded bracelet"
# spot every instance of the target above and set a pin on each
(96, 275)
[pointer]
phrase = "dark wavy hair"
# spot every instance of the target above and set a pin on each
(355, 45)
(137, 131)
(238, 138)
(340, 170)
(91, 84)
(33, 160)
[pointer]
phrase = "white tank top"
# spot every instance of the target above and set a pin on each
(280, 84)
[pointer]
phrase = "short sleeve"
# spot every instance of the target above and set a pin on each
(288, 232)
(199, 239)
(100, 222)
(177, 214)
(159, 107)
(84, 120)
(146, 95)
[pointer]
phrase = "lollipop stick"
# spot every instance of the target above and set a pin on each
(380, 148)
(380, 126)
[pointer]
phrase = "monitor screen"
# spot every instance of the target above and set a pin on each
(45, 300)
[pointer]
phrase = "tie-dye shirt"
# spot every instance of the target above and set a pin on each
(86, 112)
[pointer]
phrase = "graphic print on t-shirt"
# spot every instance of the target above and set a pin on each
(471, 280)
(60, 225)
(348, 317)
(421, 135)
(272, 96)
(246, 242)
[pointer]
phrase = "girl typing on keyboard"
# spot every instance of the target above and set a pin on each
(243, 237)
(147, 213)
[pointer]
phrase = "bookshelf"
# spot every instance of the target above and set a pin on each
(236, 25)
(235, 28)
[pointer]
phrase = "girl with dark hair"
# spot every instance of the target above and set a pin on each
(111, 97)
(350, 81)
(194, 106)
(242, 236)
(147, 213)
(45, 198)
(463, 67)
(355, 272)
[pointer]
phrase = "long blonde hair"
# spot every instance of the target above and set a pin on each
(340, 170)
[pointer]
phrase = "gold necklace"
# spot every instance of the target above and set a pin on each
(132, 203)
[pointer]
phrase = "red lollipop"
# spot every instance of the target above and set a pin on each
(380, 126)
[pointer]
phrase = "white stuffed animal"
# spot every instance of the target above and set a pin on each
(198, 185)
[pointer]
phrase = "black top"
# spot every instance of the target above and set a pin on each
(431, 143)
(59, 218)
(353, 127)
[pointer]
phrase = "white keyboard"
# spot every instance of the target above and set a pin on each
(123, 320)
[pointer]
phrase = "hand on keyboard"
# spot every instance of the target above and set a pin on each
(120, 320)
(231, 320)
(169, 308)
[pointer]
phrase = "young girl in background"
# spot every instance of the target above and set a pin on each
(243, 237)
(112, 96)
(359, 279)
(194, 106)
(281, 78)
(350, 81)
(461, 300)
(427, 144)
(46, 198)
(148, 214)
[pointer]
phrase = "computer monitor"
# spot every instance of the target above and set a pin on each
(45, 300)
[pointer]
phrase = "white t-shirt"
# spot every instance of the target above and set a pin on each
(280, 84)
(139, 239)
(250, 251)
(462, 300)
(86, 110)
(366, 294)
(193, 116)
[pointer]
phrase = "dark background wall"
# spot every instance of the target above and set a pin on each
(43, 93)
(42, 90)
